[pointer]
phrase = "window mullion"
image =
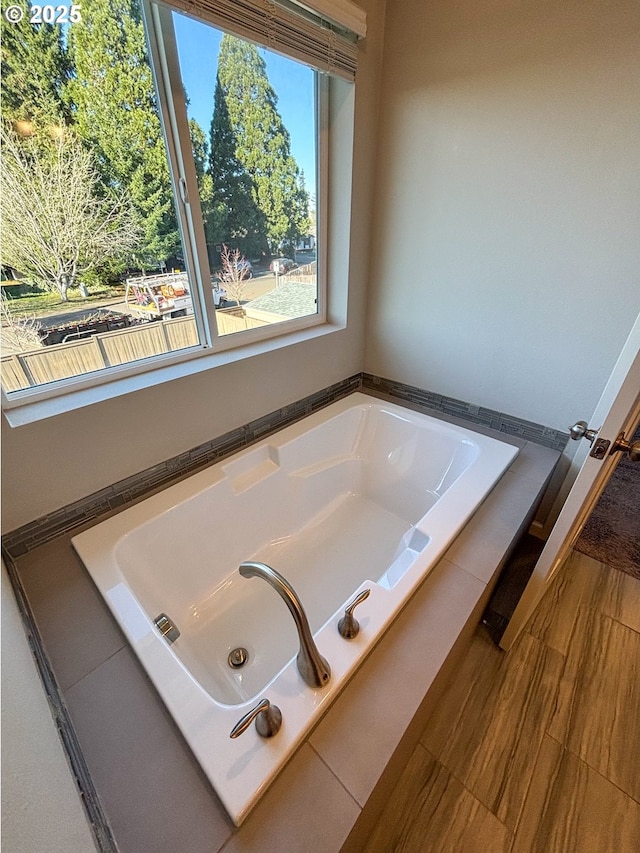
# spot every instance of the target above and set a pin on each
(173, 115)
(322, 191)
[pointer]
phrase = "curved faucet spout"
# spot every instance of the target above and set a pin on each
(313, 668)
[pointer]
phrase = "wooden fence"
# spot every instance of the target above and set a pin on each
(106, 349)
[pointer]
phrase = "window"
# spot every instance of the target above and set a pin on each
(163, 184)
(255, 170)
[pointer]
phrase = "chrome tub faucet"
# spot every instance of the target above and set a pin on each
(313, 668)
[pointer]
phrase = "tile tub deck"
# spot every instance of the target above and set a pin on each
(149, 785)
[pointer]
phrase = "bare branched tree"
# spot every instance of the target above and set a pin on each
(19, 334)
(234, 275)
(55, 227)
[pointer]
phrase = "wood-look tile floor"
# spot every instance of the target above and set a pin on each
(537, 749)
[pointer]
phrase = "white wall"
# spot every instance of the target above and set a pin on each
(504, 259)
(51, 463)
(41, 807)
(508, 201)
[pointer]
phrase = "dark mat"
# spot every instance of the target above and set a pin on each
(612, 533)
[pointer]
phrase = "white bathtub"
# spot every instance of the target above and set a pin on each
(361, 495)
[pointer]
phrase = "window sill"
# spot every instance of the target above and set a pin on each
(29, 410)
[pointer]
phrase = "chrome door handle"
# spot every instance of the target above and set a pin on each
(581, 430)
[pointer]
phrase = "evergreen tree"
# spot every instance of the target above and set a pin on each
(200, 150)
(34, 72)
(262, 143)
(234, 218)
(115, 115)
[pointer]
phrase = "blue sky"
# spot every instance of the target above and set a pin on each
(198, 47)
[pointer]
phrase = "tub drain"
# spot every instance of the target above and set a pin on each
(238, 657)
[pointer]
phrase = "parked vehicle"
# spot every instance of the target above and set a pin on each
(282, 265)
(219, 295)
(92, 324)
(246, 267)
(154, 297)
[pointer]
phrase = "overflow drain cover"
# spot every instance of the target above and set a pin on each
(238, 657)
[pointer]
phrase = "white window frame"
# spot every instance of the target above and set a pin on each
(39, 402)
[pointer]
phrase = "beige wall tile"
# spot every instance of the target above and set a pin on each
(320, 812)
(67, 606)
(481, 545)
(153, 792)
(386, 691)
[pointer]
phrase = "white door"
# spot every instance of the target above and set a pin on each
(618, 412)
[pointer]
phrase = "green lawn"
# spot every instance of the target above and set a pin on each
(41, 304)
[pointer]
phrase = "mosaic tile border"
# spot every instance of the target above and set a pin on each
(124, 492)
(508, 424)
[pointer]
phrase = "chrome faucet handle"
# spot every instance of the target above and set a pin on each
(268, 719)
(349, 626)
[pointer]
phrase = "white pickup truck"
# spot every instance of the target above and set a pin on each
(154, 297)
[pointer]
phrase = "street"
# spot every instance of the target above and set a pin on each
(261, 283)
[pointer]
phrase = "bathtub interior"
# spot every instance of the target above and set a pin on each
(363, 494)
(329, 509)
